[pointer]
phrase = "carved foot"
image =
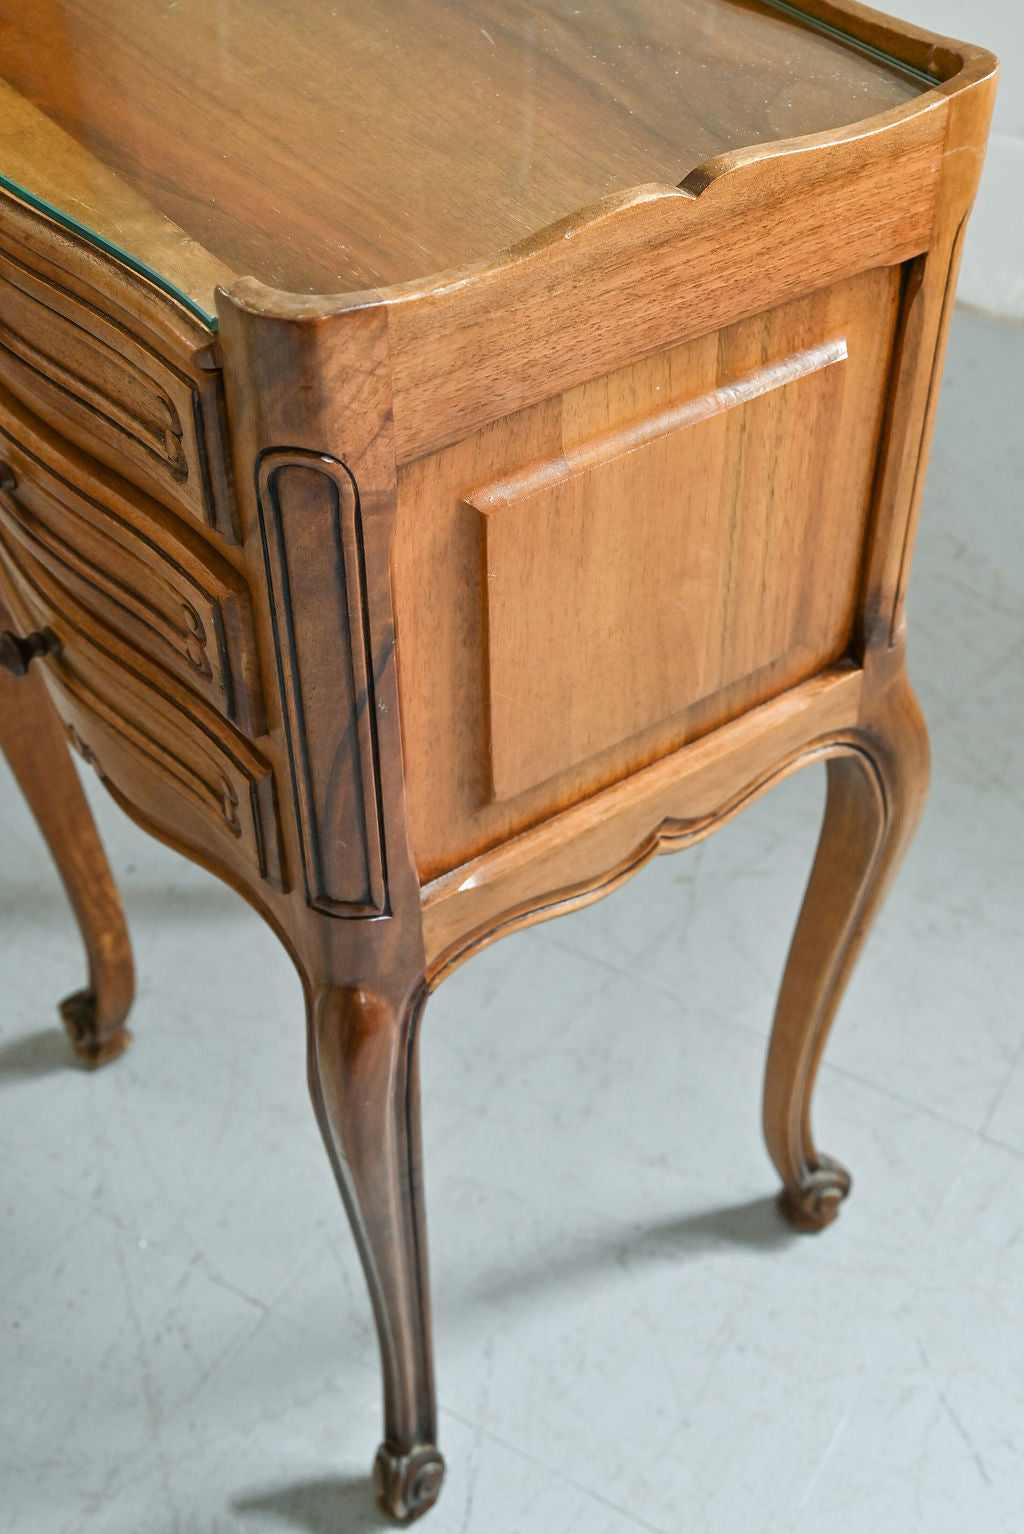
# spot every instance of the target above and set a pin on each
(79, 1016)
(816, 1202)
(407, 1484)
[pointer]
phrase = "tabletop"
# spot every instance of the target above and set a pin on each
(337, 147)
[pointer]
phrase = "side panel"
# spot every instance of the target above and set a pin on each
(652, 566)
(584, 586)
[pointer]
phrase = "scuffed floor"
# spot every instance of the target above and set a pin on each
(628, 1339)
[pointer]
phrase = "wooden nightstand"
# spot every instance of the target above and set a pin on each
(436, 608)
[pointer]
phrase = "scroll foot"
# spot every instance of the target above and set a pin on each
(79, 1014)
(815, 1203)
(407, 1485)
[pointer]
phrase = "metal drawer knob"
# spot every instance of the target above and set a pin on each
(16, 655)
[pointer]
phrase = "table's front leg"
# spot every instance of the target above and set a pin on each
(364, 1082)
(310, 404)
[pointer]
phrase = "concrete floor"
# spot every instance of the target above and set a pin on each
(628, 1338)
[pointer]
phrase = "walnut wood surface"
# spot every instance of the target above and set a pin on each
(525, 572)
(395, 139)
(588, 662)
(591, 846)
(632, 585)
(62, 173)
(548, 299)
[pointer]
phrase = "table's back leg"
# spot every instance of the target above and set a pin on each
(876, 794)
(364, 1081)
(32, 740)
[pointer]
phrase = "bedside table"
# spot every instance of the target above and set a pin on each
(577, 514)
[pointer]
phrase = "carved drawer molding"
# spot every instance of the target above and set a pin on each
(109, 388)
(140, 570)
(170, 759)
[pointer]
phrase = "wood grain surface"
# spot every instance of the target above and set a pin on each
(328, 148)
(563, 621)
(650, 564)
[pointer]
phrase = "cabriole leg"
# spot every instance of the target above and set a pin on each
(33, 742)
(875, 796)
(364, 1082)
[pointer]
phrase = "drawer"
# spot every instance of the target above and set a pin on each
(177, 765)
(154, 416)
(141, 571)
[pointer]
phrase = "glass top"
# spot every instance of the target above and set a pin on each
(330, 146)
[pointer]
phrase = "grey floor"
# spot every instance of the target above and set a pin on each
(628, 1338)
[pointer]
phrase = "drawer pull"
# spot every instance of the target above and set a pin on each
(16, 655)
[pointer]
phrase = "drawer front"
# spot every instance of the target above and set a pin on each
(156, 418)
(166, 755)
(137, 568)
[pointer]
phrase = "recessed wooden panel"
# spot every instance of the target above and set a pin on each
(651, 566)
(723, 486)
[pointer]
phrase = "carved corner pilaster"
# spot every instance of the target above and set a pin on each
(309, 398)
(310, 502)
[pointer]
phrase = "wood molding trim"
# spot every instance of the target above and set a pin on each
(310, 499)
(592, 847)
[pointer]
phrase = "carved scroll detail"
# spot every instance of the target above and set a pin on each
(311, 526)
(196, 641)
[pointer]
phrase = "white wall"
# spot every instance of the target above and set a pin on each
(992, 276)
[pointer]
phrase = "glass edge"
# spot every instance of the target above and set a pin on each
(828, 29)
(74, 226)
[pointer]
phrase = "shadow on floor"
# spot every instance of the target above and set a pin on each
(757, 1224)
(333, 1505)
(37, 1054)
